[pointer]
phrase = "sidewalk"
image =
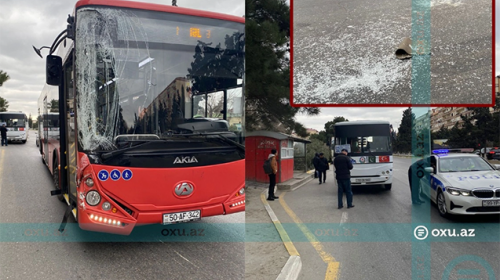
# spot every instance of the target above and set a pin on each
(263, 260)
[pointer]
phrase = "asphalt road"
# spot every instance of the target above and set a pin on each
(374, 240)
(344, 52)
(28, 252)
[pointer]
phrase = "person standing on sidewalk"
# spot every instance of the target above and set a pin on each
(272, 176)
(3, 131)
(343, 166)
(323, 166)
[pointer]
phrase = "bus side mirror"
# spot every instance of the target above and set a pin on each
(53, 70)
(429, 169)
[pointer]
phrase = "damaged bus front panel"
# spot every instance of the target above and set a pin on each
(142, 146)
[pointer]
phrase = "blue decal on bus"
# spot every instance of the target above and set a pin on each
(115, 175)
(103, 175)
(127, 174)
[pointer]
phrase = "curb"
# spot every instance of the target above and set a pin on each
(292, 269)
(293, 266)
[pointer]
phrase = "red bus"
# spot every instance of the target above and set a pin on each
(150, 103)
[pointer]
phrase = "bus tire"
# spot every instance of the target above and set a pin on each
(55, 177)
(388, 187)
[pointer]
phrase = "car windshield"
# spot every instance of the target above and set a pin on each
(463, 164)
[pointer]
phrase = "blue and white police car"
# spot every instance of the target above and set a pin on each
(463, 184)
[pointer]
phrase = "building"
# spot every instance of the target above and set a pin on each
(423, 121)
(312, 131)
(448, 117)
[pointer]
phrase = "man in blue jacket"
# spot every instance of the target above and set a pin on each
(343, 166)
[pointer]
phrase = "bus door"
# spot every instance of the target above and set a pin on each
(70, 127)
(44, 137)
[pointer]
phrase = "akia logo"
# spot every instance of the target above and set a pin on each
(185, 160)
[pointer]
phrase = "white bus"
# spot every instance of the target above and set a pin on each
(369, 144)
(17, 126)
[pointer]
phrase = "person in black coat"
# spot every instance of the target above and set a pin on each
(323, 166)
(343, 166)
(315, 162)
(3, 131)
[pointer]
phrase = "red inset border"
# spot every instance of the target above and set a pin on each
(396, 105)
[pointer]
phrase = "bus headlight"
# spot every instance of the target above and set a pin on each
(242, 191)
(93, 198)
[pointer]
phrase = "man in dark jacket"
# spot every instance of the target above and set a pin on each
(3, 131)
(316, 164)
(322, 167)
(343, 165)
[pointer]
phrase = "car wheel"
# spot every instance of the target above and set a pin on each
(55, 177)
(24, 141)
(388, 187)
(441, 205)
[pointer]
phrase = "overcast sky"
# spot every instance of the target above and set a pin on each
(24, 23)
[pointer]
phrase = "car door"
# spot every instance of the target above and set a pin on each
(425, 179)
(432, 190)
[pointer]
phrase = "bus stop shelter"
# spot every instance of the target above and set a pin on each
(258, 146)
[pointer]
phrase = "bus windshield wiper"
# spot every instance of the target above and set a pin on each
(224, 138)
(123, 150)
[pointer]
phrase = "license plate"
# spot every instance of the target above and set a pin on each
(487, 203)
(172, 218)
(362, 180)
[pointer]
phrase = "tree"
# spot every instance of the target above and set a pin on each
(403, 141)
(54, 105)
(329, 128)
(4, 104)
(267, 88)
(314, 147)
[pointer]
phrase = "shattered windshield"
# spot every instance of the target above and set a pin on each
(150, 75)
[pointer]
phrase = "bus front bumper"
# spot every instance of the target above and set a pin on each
(100, 221)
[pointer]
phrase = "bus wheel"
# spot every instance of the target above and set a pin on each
(388, 187)
(55, 177)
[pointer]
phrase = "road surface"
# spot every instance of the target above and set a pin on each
(374, 240)
(30, 247)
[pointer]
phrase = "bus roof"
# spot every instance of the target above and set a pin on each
(361, 123)
(14, 113)
(159, 8)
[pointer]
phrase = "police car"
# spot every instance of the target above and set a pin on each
(463, 184)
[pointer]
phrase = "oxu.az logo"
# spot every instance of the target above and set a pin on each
(187, 159)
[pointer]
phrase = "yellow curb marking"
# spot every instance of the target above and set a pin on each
(333, 269)
(284, 236)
